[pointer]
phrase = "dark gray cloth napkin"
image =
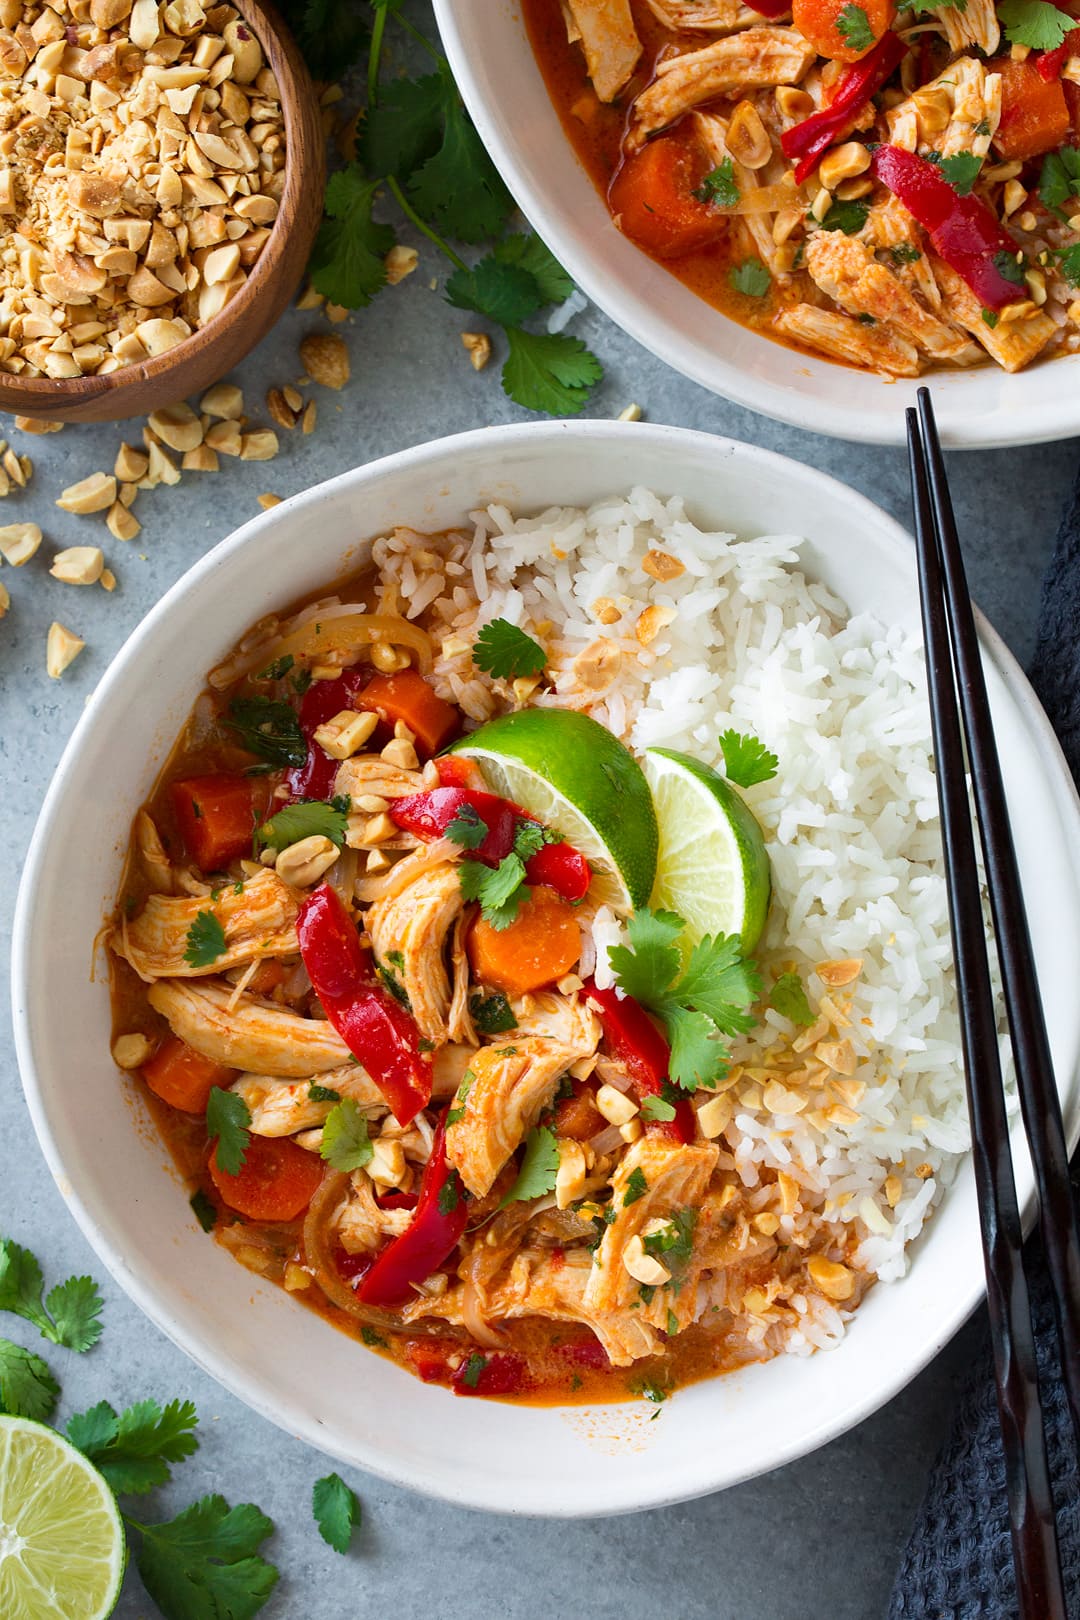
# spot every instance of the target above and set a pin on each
(958, 1563)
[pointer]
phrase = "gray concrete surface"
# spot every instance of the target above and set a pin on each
(818, 1539)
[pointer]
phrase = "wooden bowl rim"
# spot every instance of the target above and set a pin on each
(294, 81)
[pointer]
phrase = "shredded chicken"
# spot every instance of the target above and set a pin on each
(1012, 343)
(843, 338)
(844, 267)
(497, 1103)
(704, 16)
(258, 918)
(959, 111)
(755, 59)
(609, 39)
(252, 1035)
(283, 1107)
(409, 933)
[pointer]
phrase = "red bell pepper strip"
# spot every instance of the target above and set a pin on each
(322, 700)
(770, 8)
(376, 1028)
(863, 79)
(1050, 63)
(558, 866)
(637, 1043)
(962, 230)
(431, 1236)
(446, 1361)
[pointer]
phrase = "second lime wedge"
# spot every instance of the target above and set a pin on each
(712, 867)
(61, 1534)
(569, 772)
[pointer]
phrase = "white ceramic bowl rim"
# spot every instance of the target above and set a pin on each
(509, 1488)
(985, 407)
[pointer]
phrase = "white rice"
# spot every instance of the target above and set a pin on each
(851, 817)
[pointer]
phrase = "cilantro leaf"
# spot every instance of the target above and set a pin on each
(853, 26)
(529, 253)
(404, 127)
(1010, 267)
(657, 1108)
(467, 827)
(323, 1094)
(69, 1317)
(336, 1511)
(720, 186)
(710, 998)
(204, 1564)
(961, 171)
(549, 371)
(228, 1118)
(904, 253)
(530, 838)
(506, 293)
(636, 1187)
(458, 189)
(134, 1450)
(750, 278)
(345, 1142)
(450, 1194)
(277, 670)
(205, 940)
(492, 1014)
(990, 318)
(920, 7)
(27, 1386)
(331, 34)
(305, 818)
(539, 1167)
(674, 1240)
(473, 1369)
(789, 997)
(504, 651)
(746, 759)
(1068, 260)
(1059, 180)
(849, 217)
(75, 1307)
(1036, 23)
(500, 890)
(347, 260)
(268, 728)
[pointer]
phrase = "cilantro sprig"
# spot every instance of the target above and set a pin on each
(788, 996)
(133, 1449)
(698, 1005)
(69, 1315)
(539, 1167)
(205, 1563)
(505, 651)
(418, 143)
(1059, 179)
(720, 186)
(746, 759)
(853, 26)
(1035, 23)
(305, 818)
(228, 1121)
(205, 940)
(346, 1144)
(750, 278)
(27, 1386)
(336, 1510)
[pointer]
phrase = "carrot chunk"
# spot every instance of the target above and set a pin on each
(182, 1077)
(275, 1182)
(652, 198)
(1034, 115)
(578, 1116)
(540, 946)
(217, 815)
(406, 696)
(840, 30)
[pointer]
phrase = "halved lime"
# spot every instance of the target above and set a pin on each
(571, 773)
(712, 867)
(62, 1548)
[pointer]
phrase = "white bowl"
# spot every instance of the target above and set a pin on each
(115, 1173)
(493, 63)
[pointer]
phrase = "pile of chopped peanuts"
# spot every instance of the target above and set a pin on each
(142, 163)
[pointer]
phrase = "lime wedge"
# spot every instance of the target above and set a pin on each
(712, 867)
(571, 773)
(62, 1549)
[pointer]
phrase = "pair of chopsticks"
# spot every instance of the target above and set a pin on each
(958, 701)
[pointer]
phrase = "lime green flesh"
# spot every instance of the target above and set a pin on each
(62, 1549)
(571, 773)
(712, 867)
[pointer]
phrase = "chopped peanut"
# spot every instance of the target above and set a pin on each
(18, 542)
(62, 648)
(78, 565)
(93, 494)
(478, 347)
(325, 358)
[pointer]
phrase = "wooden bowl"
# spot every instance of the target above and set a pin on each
(215, 348)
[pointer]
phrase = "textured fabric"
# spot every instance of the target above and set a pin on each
(958, 1563)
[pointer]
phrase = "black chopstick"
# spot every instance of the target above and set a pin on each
(1040, 1591)
(1040, 1103)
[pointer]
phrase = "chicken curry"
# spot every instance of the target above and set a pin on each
(894, 187)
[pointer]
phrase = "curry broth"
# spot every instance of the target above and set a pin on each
(564, 1359)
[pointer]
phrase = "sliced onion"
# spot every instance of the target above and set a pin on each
(764, 200)
(318, 1224)
(474, 1321)
(606, 1141)
(341, 627)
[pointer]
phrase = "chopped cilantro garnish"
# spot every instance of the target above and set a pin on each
(336, 1510)
(450, 1194)
(205, 941)
(500, 890)
(1059, 179)
(750, 278)
(278, 669)
(473, 1368)
(203, 1210)
(505, 651)
(853, 26)
(345, 1144)
(466, 828)
(305, 818)
(706, 1000)
(323, 1093)
(1009, 266)
(990, 318)
(789, 998)
(228, 1119)
(492, 1014)
(720, 186)
(1068, 261)
(849, 217)
(636, 1186)
(746, 759)
(961, 171)
(268, 729)
(457, 1113)
(657, 1108)
(1035, 23)
(904, 253)
(674, 1240)
(539, 1167)
(373, 1339)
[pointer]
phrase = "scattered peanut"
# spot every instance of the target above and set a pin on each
(30, 424)
(262, 445)
(131, 1051)
(177, 426)
(5, 600)
(18, 542)
(78, 565)
(224, 401)
(62, 647)
(93, 494)
(643, 1267)
(478, 347)
(130, 465)
(305, 862)
(834, 1280)
(325, 358)
(201, 459)
(267, 501)
(344, 735)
